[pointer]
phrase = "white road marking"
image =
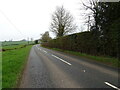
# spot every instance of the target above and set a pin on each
(112, 86)
(37, 47)
(62, 60)
(44, 51)
(83, 70)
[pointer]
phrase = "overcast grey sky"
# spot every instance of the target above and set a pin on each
(20, 19)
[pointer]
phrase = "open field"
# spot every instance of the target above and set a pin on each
(8, 43)
(14, 44)
(12, 47)
(13, 62)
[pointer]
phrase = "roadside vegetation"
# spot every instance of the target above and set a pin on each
(0, 69)
(100, 42)
(13, 62)
(110, 61)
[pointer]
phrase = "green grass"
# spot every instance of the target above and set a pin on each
(13, 62)
(8, 43)
(15, 44)
(0, 70)
(0, 66)
(114, 62)
(12, 46)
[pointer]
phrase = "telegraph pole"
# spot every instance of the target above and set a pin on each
(28, 40)
(88, 22)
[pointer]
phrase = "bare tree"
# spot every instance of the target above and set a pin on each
(62, 22)
(92, 13)
(81, 28)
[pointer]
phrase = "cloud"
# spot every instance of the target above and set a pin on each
(31, 17)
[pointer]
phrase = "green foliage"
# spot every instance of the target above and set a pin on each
(109, 25)
(104, 37)
(36, 41)
(114, 37)
(82, 42)
(13, 62)
(45, 37)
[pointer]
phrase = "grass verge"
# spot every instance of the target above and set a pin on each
(114, 62)
(13, 62)
(0, 67)
(0, 70)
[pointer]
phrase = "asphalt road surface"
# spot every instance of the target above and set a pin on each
(53, 69)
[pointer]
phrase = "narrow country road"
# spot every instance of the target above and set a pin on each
(53, 69)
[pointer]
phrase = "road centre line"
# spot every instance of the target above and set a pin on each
(112, 85)
(37, 47)
(44, 51)
(62, 60)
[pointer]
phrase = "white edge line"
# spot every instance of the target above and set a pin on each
(112, 85)
(62, 60)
